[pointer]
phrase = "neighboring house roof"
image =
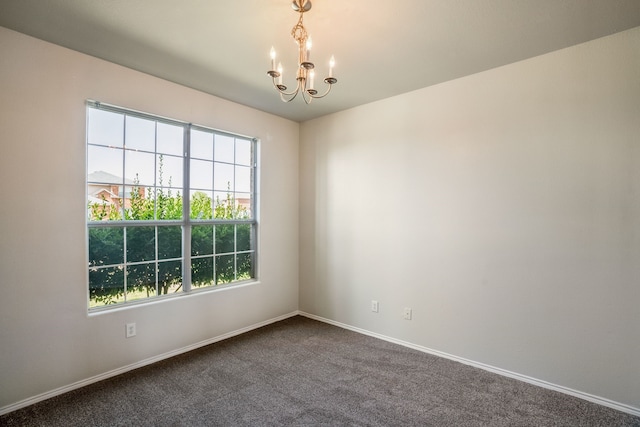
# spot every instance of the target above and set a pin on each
(106, 192)
(107, 178)
(92, 200)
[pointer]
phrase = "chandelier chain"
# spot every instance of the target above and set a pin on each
(298, 32)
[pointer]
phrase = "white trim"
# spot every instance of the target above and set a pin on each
(161, 299)
(140, 364)
(541, 383)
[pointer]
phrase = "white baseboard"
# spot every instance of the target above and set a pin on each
(541, 383)
(140, 364)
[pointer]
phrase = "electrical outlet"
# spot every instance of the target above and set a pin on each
(407, 313)
(374, 306)
(130, 330)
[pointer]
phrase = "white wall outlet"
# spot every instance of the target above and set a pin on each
(131, 330)
(407, 313)
(374, 306)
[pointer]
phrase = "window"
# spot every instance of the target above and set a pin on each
(170, 206)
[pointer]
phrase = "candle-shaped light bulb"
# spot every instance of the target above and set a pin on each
(312, 74)
(309, 48)
(272, 53)
(280, 72)
(332, 63)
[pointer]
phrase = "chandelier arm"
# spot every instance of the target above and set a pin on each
(307, 97)
(283, 99)
(324, 94)
(284, 92)
(291, 94)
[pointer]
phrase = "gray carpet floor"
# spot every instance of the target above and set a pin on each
(300, 372)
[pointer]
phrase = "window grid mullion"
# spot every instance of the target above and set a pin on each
(122, 203)
(155, 186)
(155, 263)
(186, 209)
(233, 200)
(213, 244)
(213, 178)
(235, 252)
(155, 171)
(124, 258)
(124, 166)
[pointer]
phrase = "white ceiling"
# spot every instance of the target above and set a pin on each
(382, 48)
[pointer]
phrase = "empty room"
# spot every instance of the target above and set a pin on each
(326, 212)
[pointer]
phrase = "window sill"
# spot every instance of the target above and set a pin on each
(97, 311)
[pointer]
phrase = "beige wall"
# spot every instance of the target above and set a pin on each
(503, 208)
(47, 340)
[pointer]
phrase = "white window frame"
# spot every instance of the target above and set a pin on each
(186, 222)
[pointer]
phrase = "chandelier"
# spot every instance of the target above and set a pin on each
(305, 74)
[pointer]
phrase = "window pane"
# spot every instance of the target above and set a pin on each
(224, 149)
(169, 139)
(169, 277)
(201, 205)
(106, 246)
(243, 152)
(139, 202)
(140, 168)
(243, 205)
(225, 239)
(104, 164)
(105, 128)
(245, 266)
(224, 205)
(169, 173)
(223, 177)
(106, 285)
(141, 244)
(243, 179)
(201, 174)
(202, 272)
(141, 280)
(169, 242)
(140, 134)
(102, 204)
(169, 205)
(201, 145)
(104, 200)
(225, 269)
(243, 237)
(201, 240)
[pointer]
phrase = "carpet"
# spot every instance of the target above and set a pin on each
(301, 372)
